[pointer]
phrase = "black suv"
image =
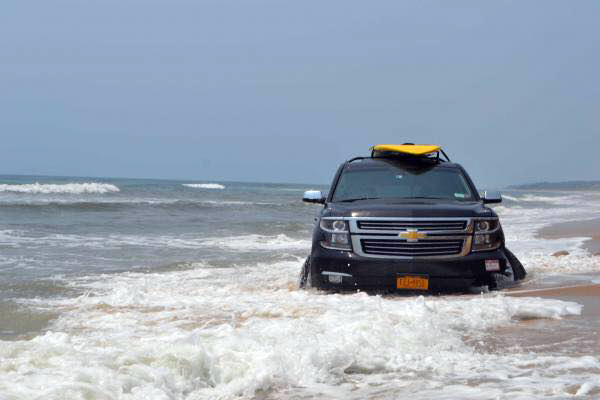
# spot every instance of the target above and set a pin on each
(402, 222)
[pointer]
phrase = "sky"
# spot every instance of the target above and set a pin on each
(284, 91)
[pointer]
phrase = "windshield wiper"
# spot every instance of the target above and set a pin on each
(358, 198)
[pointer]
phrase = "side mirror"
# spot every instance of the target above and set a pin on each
(313, 196)
(490, 197)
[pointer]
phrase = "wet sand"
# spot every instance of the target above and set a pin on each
(588, 228)
(575, 291)
(572, 336)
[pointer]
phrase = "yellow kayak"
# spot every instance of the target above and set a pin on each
(412, 149)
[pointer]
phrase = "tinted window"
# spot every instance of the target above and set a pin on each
(397, 182)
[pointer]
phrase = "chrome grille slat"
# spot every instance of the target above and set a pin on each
(409, 254)
(404, 248)
(403, 225)
(410, 247)
(370, 246)
(421, 243)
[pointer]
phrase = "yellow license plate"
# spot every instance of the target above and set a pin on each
(412, 282)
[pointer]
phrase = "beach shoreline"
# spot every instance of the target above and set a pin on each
(546, 335)
(583, 228)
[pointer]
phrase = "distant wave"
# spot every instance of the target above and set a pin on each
(548, 199)
(113, 204)
(70, 188)
(204, 185)
(511, 198)
(532, 198)
(251, 242)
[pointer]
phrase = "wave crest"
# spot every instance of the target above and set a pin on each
(204, 185)
(221, 333)
(51, 188)
(254, 242)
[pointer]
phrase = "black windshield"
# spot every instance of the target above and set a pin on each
(397, 182)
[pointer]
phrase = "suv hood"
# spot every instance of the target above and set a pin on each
(408, 208)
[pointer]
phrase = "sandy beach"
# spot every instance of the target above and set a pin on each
(577, 291)
(574, 335)
(573, 289)
(587, 228)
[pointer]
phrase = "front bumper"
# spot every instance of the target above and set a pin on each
(353, 271)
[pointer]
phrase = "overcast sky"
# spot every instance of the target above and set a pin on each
(283, 91)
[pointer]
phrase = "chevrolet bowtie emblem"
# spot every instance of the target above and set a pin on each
(412, 235)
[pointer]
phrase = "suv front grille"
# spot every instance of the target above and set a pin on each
(424, 247)
(411, 237)
(424, 225)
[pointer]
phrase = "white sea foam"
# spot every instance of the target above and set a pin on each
(246, 332)
(557, 200)
(237, 203)
(522, 224)
(511, 198)
(68, 201)
(218, 333)
(258, 242)
(251, 242)
(50, 188)
(205, 185)
(549, 199)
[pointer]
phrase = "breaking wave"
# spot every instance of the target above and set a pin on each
(50, 188)
(204, 185)
(552, 200)
(232, 328)
(258, 242)
(252, 242)
(208, 333)
(110, 204)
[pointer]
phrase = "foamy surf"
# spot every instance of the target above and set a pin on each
(252, 242)
(258, 242)
(68, 188)
(521, 225)
(219, 315)
(531, 198)
(204, 185)
(207, 333)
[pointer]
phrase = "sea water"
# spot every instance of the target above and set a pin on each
(154, 289)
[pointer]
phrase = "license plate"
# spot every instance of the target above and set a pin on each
(412, 282)
(492, 265)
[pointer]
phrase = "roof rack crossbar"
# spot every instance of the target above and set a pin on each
(445, 155)
(437, 157)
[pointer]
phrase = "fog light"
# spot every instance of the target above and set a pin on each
(337, 279)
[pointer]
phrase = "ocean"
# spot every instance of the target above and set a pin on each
(159, 289)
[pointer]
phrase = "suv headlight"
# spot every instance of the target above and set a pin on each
(488, 235)
(336, 233)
